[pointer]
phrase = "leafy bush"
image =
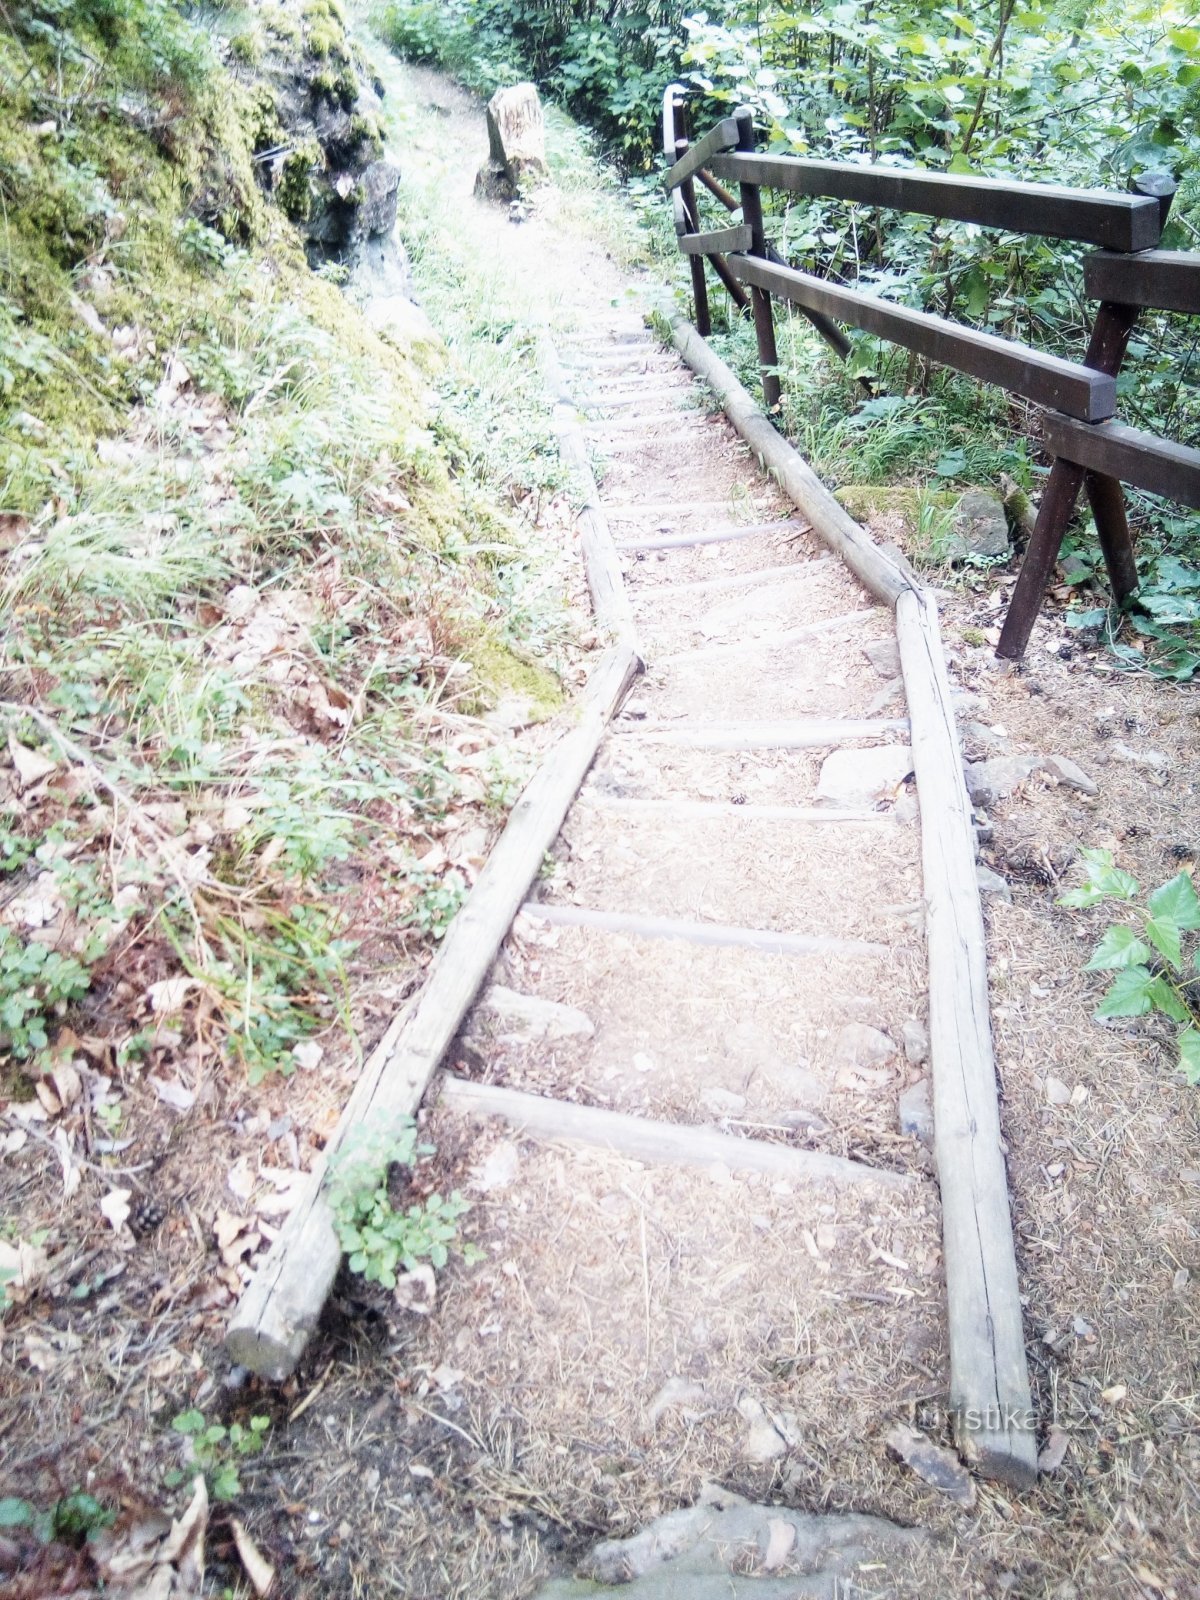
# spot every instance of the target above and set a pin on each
(1154, 971)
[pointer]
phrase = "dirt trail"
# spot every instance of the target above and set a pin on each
(634, 1332)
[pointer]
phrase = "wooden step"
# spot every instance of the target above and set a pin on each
(659, 1142)
(808, 733)
(762, 939)
(683, 541)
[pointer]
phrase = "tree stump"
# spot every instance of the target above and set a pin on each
(517, 141)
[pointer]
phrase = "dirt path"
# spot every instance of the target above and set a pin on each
(634, 1332)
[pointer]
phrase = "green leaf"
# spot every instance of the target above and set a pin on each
(188, 1422)
(1163, 934)
(1120, 947)
(1129, 995)
(1165, 998)
(1177, 900)
(1189, 1054)
(15, 1513)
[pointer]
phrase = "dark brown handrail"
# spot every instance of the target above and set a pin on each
(1090, 451)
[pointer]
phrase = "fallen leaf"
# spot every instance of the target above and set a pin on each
(115, 1207)
(174, 1093)
(416, 1291)
(31, 765)
(676, 1391)
(68, 1084)
(22, 1268)
(183, 1547)
(1054, 1451)
(763, 1442)
(168, 994)
(45, 1354)
(498, 1170)
(940, 1468)
(1056, 1092)
(236, 1237)
(289, 1186)
(445, 1377)
(781, 1537)
(71, 1171)
(1114, 1395)
(258, 1569)
(307, 1054)
(241, 1179)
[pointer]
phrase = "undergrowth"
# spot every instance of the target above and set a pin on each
(256, 590)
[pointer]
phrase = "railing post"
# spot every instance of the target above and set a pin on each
(688, 190)
(1111, 332)
(764, 322)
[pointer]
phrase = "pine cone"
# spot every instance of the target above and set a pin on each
(146, 1215)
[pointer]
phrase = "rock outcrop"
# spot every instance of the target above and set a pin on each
(318, 147)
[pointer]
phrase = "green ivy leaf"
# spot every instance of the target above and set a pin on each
(1189, 1054)
(1120, 947)
(1129, 994)
(1178, 901)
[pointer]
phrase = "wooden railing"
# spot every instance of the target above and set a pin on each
(1090, 451)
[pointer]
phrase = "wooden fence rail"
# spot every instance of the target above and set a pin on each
(1090, 451)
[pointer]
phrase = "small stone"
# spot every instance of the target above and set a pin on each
(528, 1019)
(1056, 1092)
(1148, 760)
(862, 777)
(884, 656)
(999, 777)
(915, 1038)
(992, 883)
(860, 1046)
(1070, 776)
(916, 1113)
(722, 1102)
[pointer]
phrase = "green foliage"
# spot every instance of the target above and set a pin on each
(216, 1450)
(34, 980)
(1153, 959)
(377, 1238)
(73, 1519)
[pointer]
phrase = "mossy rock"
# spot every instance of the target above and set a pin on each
(501, 674)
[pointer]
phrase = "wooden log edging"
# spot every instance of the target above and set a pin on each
(611, 604)
(280, 1308)
(661, 1143)
(990, 1403)
(831, 522)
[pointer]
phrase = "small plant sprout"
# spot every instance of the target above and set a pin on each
(216, 1450)
(1154, 962)
(376, 1237)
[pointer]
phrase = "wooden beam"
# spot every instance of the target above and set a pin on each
(280, 1309)
(1090, 216)
(725, 810)
(765, 940)
(722, 137)
(610, 602)
(989, 1379)
(1167, 280)
(1047, 380)
(1159, 466)
(805, 733)
(718, 239)
(683, 541)
(831, 522)
(660, 1143)
(767, 641)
